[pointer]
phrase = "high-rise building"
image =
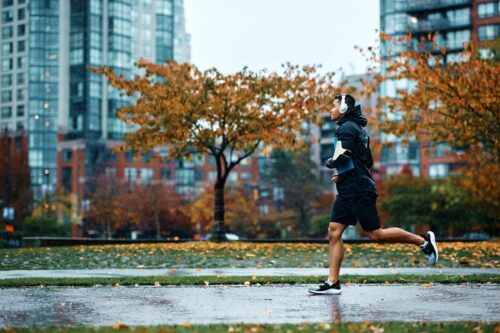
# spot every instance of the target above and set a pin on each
(458, 22)
(46, 86)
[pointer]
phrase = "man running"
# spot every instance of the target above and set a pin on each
(357, 194)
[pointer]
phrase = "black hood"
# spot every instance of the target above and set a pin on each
(354, 115)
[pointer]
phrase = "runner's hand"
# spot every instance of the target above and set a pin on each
(335, 178)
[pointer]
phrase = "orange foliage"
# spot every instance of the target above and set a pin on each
(457, 103)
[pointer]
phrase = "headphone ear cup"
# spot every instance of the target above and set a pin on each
(343, 108)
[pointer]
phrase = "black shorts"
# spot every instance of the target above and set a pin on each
(348, 209)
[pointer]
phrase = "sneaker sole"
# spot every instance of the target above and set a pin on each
(433, 242)
(326, 292)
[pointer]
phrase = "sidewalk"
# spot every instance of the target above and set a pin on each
(148, 305)
(117, 272)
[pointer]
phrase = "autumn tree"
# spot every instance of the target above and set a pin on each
(107, 206)
(241, 213)
(294, 173)
(227, 116)
(150, 204)
(15, 179)
(452, 102)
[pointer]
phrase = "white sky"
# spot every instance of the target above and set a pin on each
(231, 34)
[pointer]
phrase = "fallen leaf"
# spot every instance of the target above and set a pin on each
(157, 284)
(120, 326)
(247, 283)
(427, 285)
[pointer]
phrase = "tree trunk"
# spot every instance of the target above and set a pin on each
(157, 224)
(220, 233)
(108, 229)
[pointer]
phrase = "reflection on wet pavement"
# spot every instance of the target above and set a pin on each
(148, 305)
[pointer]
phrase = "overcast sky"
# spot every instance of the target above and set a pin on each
(231, 34)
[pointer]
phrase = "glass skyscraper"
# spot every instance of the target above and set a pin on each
(46, 86)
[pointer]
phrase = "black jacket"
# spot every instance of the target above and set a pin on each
(354, 138)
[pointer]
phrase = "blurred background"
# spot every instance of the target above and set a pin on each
(60, 178)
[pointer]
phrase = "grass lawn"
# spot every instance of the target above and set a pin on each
(238, 255)
(427, 280)
(368, 327)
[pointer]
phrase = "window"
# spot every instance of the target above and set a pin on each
(184, 176)
(7, 48)
(245, 176)
(21, 46)
(66, 177)
(438, 170)
(199, 175)
(76, 40)
(456, 39)
(488, 32)
(459, 16)
(20, 78)
(21, 14)
(488, 9)
(110, 171)
(20, 110)
(7, 16)
(7, 64)
(6, 112)
(199, 159)
(164, 7)
(21, 62)
(165, 173)
(7, 32)
(96, 7)
(20, 94)
(129, 156)
(110, 156)
(146, 175)
(212, 175)
(21, 30)
(130, 174)
(95, 57)
(67, 155)
(76, 57)
(6, 80)
(278, 193)
(6, 96)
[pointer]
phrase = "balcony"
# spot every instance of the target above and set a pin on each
(427, 5)
(419, 26)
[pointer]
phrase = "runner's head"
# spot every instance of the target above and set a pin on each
(341, 105)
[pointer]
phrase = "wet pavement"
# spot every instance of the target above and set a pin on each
(149, 305)
(117, 272)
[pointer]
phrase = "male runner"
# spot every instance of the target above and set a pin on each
(357, 194)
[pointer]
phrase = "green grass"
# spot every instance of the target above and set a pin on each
(365, 327)
(252, 280)
(238, 255)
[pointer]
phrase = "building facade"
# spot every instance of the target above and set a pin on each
(458, 22)
(48, 47)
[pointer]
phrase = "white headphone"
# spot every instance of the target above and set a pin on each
(343, 106)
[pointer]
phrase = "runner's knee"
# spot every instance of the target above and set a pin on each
(335, 231)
